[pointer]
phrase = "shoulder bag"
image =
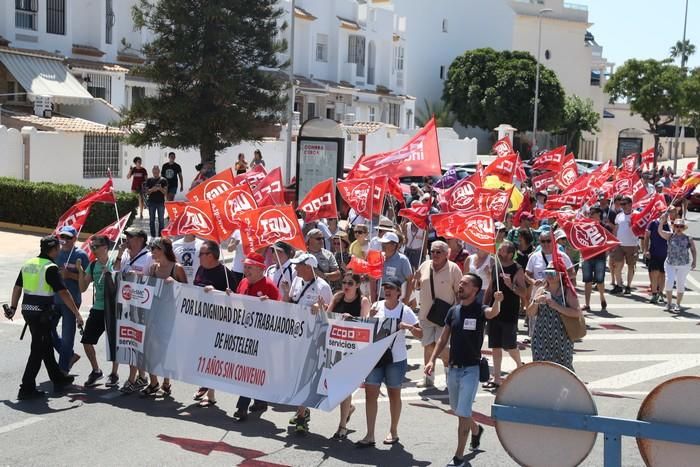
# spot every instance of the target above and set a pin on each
(439, 308)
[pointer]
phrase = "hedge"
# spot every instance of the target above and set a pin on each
(42, 203)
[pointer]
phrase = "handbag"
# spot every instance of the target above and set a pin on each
(484, 370)
(575, 327)
(439, 308)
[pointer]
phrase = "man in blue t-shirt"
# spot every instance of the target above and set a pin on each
(66, 259)
(655, 248)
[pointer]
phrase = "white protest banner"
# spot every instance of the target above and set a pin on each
(273, 351)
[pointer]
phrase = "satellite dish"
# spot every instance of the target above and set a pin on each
(676, 401)
(548, 386)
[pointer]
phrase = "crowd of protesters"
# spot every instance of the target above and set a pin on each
(441, 290)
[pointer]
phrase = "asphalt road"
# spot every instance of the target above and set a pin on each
(627, 352)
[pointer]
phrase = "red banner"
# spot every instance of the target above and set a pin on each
(550, 160)
(502, 147)
(212, 187)
(541, 182)
(364, 195)
(197, 219)
(641, 219)
(319, 202)
(494, 201)
(270, 185)
(574, 199)
(475, 228)
(590, 238)
(417, 214)
(503, 167)
(568, 174)
(629, 163)
(112, 232)
(227, 208)
(264, 226)
(418, 157)
(460, 197)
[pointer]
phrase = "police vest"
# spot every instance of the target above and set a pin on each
(38, 294)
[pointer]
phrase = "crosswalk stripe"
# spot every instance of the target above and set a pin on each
(635, 336)
(640, 375)
(592, 319)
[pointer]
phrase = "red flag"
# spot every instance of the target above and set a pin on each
(568, 174)
(560, 216)
(105, 194)
(657, 199)
(270, 185)
(525, 206)
(364, 195)
(75, 216)
(475, 228)
(520, 169)
(550, 160)
(503, 167)
(251, 177)
(460, 197)
(212, 187)
(590, 238)
(227, 208)
(503, 147)
(373, 266)
(493, 200)
(112, 232)
(174, 208)
(264, 226)
(626, 183)
(197, 219)
(420, 156)
(575, 199)
(629, 163)
(558, 263)
(417, 214)
(542, 181)
(319, 202)
(394, 188)
(652, 209)
(648, 157)
(688, 171)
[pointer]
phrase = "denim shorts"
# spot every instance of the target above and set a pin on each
(594, 271)
(392, 375)
(462, 384)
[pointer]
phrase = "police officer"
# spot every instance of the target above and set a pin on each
(40, 279)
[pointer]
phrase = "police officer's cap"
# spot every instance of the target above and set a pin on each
(48, 243)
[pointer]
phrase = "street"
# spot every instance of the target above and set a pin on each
(628, 351)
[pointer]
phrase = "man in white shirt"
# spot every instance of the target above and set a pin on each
(627, 252)
(186, 252)
(539, 260)
(133, 256)
(282, 270)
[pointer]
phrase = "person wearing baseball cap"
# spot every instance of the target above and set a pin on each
(396, 264)
(392, 366)
(39, 279)
(313, 293)
(254, 284)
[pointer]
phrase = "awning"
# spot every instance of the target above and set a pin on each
(45, 77)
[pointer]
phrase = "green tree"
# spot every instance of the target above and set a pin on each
(579, 116)
(485, 88)
(653, 89)
(208, 58)
(682, 49)
(443, 114)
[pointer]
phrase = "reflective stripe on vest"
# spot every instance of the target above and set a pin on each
(34, 277)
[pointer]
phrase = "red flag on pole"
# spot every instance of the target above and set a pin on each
(590, 238)
(503, 167)
(550, 160)
(364, 195)
(493, 200)
(648, 157)
(251, 177)
(105, 194)
(319, 202)
(227, 208)
(212, 187)
(503, 147)
(112, 232)
(417, 214)
(197, 219)
(629, 163)
(542, 181)
(393, 187)
(559, 265)
(75, 216)
(373, 266)
(475, 228)
(264, 226)
(640, 220)
(568, 174)
(460, 197)
(575, 199)
(270, 185)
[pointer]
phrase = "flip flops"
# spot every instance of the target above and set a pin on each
(491, 385)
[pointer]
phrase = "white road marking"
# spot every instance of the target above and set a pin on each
(641, 375)
(479, 395)
(18, 425)
(593, 319)
(640, 306)
(632, 336)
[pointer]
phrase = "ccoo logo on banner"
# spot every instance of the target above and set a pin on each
(140, 295)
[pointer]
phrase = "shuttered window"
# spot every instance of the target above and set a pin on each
(56, 17)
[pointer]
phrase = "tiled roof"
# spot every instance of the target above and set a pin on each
(365, 128)
(96, 65)
(349, 24)
(61, 123)
(303, 14)
(82, 49)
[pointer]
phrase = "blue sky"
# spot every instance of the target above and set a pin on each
(642, 28)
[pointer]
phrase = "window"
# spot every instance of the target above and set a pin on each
(356, 53)
(26, 14)
(15, 88)
(311, 110)
(99, 86)
(442, 71)
(394, 114)
(109, 25)
(101, 152)
(56, 17)
(321, 47)
(137, 93)
(595, 77)
(330, 112)
(372, 113)
(444, 25)
(398, 58)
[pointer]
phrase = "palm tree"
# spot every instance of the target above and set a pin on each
(443, 114)
(683, 49)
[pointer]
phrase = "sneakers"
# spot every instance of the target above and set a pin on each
(456, 462)
(60, 385)
(628, 290)
(23, 395)
(112, 381)
(426, 383)
(476, 439)
(140, 382)
(150, 390)
(258, 406)
(93, 378)
(662, 299)
(302, 422)
(616, 290)
(676, 308)
(128, 388)
(654, 299)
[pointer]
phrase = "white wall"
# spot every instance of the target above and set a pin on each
(10, 152)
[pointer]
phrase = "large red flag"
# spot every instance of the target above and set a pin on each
(264, 226)
(270, 185)
(105, 194)
(460, 197)
(420, 156)
(658, 199)
(493, 200)
(227, 208)
(319, 202)
(568, 174)
(212, 187)
(417, 214)
(629, 163)
(648, 157)
(364, 195)
(575, 199)
(75, 216)
(502, 147)
(641, 219)
(475, 228)
(542, 181)
(174, 208)
(251, 177)
(112, 232)
(590, 238)
(197, 219)
(550, 160)
(503, 167)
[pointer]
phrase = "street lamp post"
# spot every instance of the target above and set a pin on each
(684, 58)
(290, 104)
(542, 12)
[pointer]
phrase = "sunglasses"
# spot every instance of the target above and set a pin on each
(550, 273)
(155, 247)
(350, 283)
(66, 237)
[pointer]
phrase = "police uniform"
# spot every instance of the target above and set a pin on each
(40, 280)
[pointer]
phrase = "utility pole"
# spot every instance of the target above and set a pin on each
(684, 59)
(542, 12)
(290, 104)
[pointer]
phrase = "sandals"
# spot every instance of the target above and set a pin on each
(365, 444)
(342, 433)
(585, 308)
(491, 385)
(201, 392)
(150, 390)
(390, 440)
(167, 389)
(205, 403)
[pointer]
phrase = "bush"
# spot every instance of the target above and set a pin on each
(42, 203)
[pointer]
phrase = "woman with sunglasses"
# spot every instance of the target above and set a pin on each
(164, 266)
(549, 339)
(349, 303)
(360, 246)
(678, 263)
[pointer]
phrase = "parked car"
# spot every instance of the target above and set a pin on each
(694, 201)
